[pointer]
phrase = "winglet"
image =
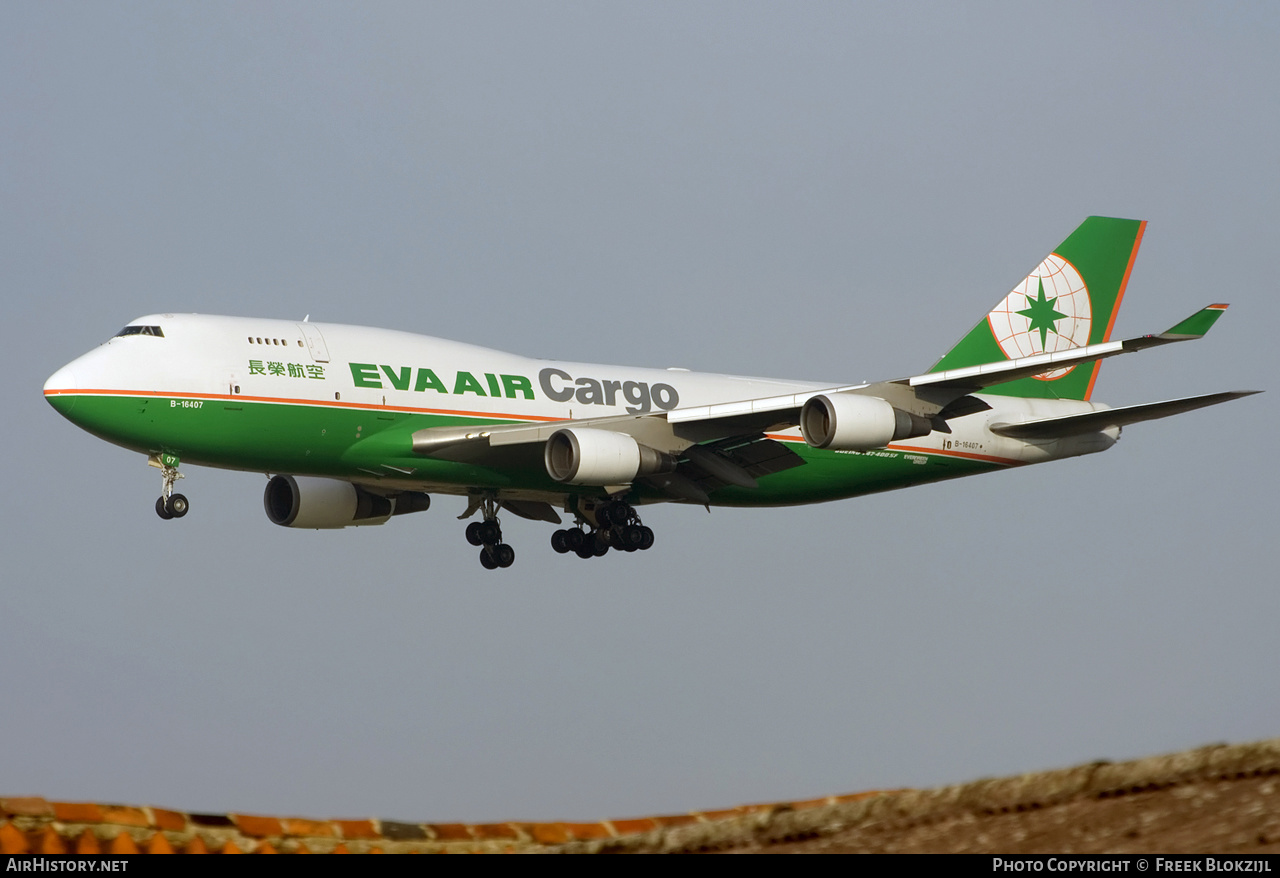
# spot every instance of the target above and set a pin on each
(1196, 325)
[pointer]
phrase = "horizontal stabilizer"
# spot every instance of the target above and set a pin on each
(972, 378)
(1092, 422)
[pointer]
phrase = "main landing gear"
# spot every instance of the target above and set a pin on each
(168, 504)
(487, 534)
(618, 527)
(610, 524)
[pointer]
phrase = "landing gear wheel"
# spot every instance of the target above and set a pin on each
(170, 505)
(575, 539)
(599, 544)
(560, 541)
(487, 533)
(585, 551)
(646, 538)
(616, 512)
(177, 505)
(490, 532)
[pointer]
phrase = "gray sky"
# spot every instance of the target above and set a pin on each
(805, 190)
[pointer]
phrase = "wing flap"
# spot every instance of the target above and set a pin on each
(748, 458)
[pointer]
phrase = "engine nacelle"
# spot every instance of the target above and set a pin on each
(853, 422)
(303, 501)
(586, 456)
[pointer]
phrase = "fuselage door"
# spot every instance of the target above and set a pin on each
(315, 342)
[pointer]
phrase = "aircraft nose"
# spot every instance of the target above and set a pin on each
(58, 390)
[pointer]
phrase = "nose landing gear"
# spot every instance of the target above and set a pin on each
(168, 504)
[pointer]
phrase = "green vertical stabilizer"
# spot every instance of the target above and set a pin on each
(1070, 300)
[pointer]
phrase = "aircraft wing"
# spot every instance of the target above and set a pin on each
(928, 395)
(726, 443)
(1070, 425)
(724, 454)
(936, 395)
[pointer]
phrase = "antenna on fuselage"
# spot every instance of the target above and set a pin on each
(305, 319)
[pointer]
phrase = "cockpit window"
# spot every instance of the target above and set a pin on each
(141, 330)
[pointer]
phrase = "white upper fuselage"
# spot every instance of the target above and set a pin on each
(223, 357)
(213, 355)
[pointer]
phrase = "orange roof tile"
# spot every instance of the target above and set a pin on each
(170, 821)
(125, 815)
(312, 828)
(50, 843)
(158, 844)
(123, 844)
(12, 841)
(87, 843)
(77, 812)
(260, 827)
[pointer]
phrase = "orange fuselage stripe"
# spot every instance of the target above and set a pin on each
(288, 401)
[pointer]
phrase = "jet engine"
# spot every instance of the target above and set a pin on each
(587, 456)
(303, 501)
(853, 422)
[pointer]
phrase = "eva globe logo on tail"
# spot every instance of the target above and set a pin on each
(1049, 311)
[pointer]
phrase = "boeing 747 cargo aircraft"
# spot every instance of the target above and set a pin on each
(356, 425)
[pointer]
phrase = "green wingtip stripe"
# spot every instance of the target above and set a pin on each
(1199, 323)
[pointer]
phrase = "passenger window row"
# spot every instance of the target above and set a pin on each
(274, 341)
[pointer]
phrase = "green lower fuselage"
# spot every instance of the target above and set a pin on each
(372, 446)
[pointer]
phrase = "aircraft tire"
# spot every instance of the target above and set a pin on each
(487, 561)
(646, 538)
(560, 542)
(585, 551)
(473, 534)
(575, 539)
(599, 545)
(490, 533)
(161, 511)
(178, 505)
(618, 512)
(506, 555)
